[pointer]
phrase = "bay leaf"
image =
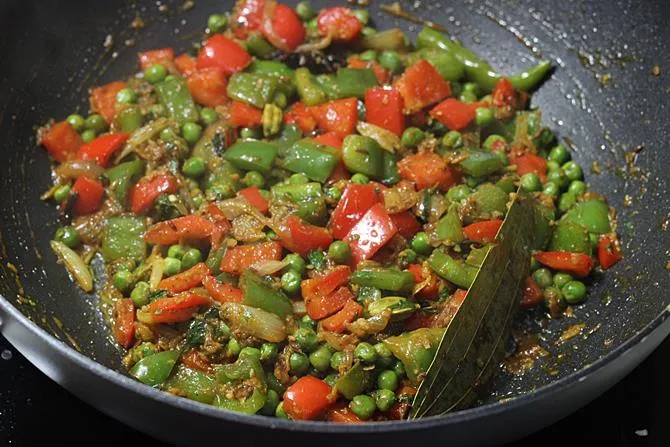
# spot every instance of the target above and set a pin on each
(473, 345)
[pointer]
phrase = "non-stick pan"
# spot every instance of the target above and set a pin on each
(605, 98)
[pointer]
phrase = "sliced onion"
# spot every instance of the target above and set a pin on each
(77, 168)
(401, 197)
(156, 272)
(338, 341)
(386, 139)
(253, 321)
(142, 135)
(319, 45)
(299, 308)
(368, 326)
(74, 264)
(270, 267)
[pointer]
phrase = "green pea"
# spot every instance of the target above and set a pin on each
(307, 322)
(312, 26)
(155, 73)
(368, 31)
(493, 141)
(233, 347)
(271, 235)
(458, 193)
(216, 23)
(268, 352)
(271, 403)
(191, 258)
(412, 137)
(552, 166)
(384, 355)
(420, 243)
(530, 182)
(295, 263)
(208, 116)
(299, 363)
(363, 406)
(574, 292)
(130, 119)
(559, 154)
(384, 400)
(391, 60)
(566, 202)
(248, 132)
(298, 179)
(399, 369)
(561, 279)
(406, 257)
(62, 192)
(360, 179)
(253, 178)
(551, 189)
(126, 96)
(543, 277)
(140, 293)
(250, 351)
(483, 116)
(96, 123)
(558, 177)
(167, 135)
(68, 236)
(365, 352)
(387, 380)
(368, 55)
(122, 280)
(176, 251)
(471, 87)
(194, 167)
(76, 121)
(290, 282)
(333, 193)
(305, 11)
(171, 266)
(577, 187)
(467, 97)
(572, 170)
(88, 135)
(306, 339)
(337, 360)
(191, 132)
(339, 251)
(452, 140)
(320, 359)
(362, 15)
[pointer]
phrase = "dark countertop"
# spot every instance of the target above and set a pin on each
(35, 411)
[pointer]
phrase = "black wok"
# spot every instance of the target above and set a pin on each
(602, 96)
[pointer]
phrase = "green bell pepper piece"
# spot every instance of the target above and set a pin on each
(480, 163)
(477, 255)
(314, 160)
(258, 46)
(156, 368)
(284, 75)
(252, 155)
(390, 174)
(245, 367)
(452, 270)
(195, 384)
(256, 89)
(363, 155)
(122, 177)
(593, 214)
(123, 237)
(490, 199)
(449, 227)
(449, 67)
(310, 92)
(542, 225)
(353, 82)
(258, 293)
(130, 119)
(401, 308)
(307, 198)
(290, 134)
(569, 236)
(507, 183)
(354, 381)
(250, 405)
(383, 278)
(177, 99)
(416, 350)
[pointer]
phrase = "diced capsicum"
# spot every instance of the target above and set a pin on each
(123, 238)
(321, 305)
(415, 350)
(285, 75)
(454, 114)
(609, 252)
(194, 384)
(252, 155)
(314, 160)
(174, 94)
(302, 237)
(306, 198)
(308, 398)
(363, 155)
(354, 381)
(173, 309)
(355, 82)
(224, 53)
(208, 87)
(256, 89)
(449, 227)
(338, 322)
(124, 322)
(283, 28)
(143, 193)
(177, 230)
(370, 233)
(102, 148)
(185, 280)
(420, 86)
(254, 196)
(239, 258)
(427, 169)
(483, 232)
(103, 99)
(244, 115)
(480, 163)
(384, 108)
(152, 57)
(593, 214)
(569, 236)
(355, 202)
(222, 292)
(339, 116)
(340, 23)
(61, 141)
(122, 176)
(578, 264)
(384, 278)
(259, 293)
(89, 194)
(310, 92)
(452, 270)
(156, 368)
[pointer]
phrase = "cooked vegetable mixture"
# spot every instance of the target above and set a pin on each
(291, 213)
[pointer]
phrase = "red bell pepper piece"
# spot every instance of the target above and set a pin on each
(321, 306)
(427, 169)
(338, 322)
(173, 309)
(195, 360)
(420, 86)
(253, 195)
(482, 232)
(342, 414)
(151, 57)
(527, 162)
(308, 398)
(179, 229)
(355, 202)
(329, 139)
(185, 63)
(371, 233)
(103, 99)
(185, 280)
(146, 191)
(332, 279)
(384, 108)
(124, 322)
(340, 23)
(381, 73)
(208, 87)
(579, 264)
(432, 289)
(609, 252)
(241, 257)
(339, 116)
(222, 52)
(102, 148)
(301, 116)
(89, 195)
(454, 114)
(406, 223)
(61, 141)
(532, 294)
(247, 16)
(302, 237)
(222, 292)
(505, 96)
(244, 115)
(284, 29)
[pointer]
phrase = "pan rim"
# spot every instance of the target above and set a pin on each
(183, 404)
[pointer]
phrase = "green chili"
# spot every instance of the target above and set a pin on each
(252, 155)
(177, 99)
